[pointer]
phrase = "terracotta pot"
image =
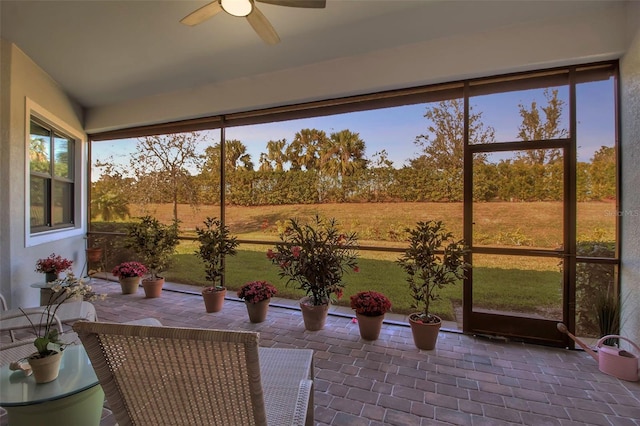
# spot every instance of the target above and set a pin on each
(425, 335)
(45, 369)
(94, 254)
(129, 285)
(369, 326)
(152, 288)
(314, 316)
(258, 311)
(213, 299)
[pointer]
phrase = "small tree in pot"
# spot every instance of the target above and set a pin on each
(155, 243)
(433, 260)
(215, 243)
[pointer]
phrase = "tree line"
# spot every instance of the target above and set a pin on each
(316, 167)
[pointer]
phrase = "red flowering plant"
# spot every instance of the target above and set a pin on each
(54, 264)
(129, 269)
(314, 256)
(256, 291)
(370, 303)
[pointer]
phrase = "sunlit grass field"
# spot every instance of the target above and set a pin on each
(514, 283)
(534, 224)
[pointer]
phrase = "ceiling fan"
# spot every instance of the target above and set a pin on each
(249, 10)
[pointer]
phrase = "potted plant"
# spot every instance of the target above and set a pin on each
(94, 248)
(607, 314)
(370, 307)
(129, 275)
(215, 244)
(155, 243)
(314, 257)
(433, 260)
(257, 295)
(94, 254)
(52, 266)
(45, 362)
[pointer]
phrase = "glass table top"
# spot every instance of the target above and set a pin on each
(76, 375)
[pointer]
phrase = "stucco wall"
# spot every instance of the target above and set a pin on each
(22, 79)
(5, 252)
(630, 203)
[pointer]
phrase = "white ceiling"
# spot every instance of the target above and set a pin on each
(108, 52)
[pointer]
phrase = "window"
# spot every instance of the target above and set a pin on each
(51, 178)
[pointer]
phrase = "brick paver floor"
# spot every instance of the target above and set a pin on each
(466, 380)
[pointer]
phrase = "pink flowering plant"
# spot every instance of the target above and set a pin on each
(314, 256)
(256, 291)
(54, 264)
(370, 303)
(129, 269)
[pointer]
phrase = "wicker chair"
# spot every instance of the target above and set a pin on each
(18, 324)
(12, 320)
(18, 349)
(185, 376)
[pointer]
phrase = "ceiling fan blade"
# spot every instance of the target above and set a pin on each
(315, 4)
(262, 26)
(202, 14)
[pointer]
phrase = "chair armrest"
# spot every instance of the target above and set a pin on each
(15, 319)
(15, 351)
(145, 321)
(287, 377)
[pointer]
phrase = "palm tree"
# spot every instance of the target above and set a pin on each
(305, 148)
(276, 153)
(236, 156)
(265, 164)
(344, 154)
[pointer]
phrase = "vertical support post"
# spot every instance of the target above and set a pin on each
(223, 184)
(467, 216)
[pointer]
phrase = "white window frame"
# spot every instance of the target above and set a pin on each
(79, 228)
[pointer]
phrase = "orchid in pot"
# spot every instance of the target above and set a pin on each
(129, 275)
(256, 295)
(433, 260)
(48, 342)
(314, 257)
(216, 243)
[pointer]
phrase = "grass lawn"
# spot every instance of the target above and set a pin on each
(503, 283)
(499, 289)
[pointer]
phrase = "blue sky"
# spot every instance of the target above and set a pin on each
(395, 129)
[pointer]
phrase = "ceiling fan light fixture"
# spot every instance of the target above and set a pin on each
(238, 8)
